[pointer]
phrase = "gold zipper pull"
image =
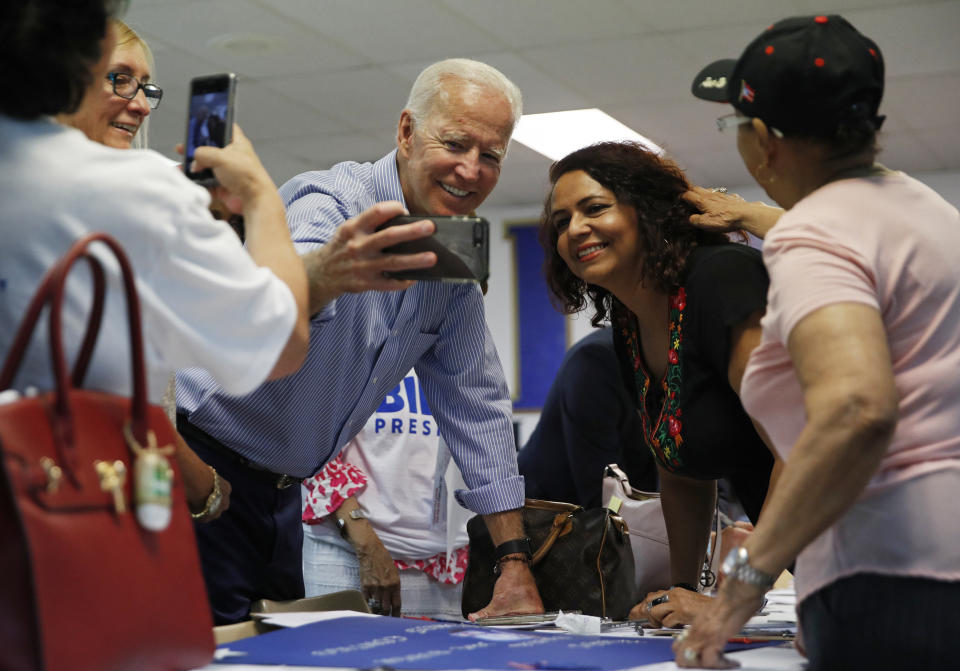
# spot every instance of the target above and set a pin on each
(112, 478)
(54, 474)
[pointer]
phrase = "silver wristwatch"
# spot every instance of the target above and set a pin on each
(737, 566)
(355, 514)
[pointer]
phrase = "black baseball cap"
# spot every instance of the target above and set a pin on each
(803, 75)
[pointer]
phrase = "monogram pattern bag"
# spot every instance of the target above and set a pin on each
(582, 560)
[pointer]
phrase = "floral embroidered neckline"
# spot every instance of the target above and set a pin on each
(664, 436)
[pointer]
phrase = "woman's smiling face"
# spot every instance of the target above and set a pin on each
(104, 116)
(597, 236)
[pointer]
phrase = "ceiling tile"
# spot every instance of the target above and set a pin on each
(391, 32)
(324, 151)
(611, 72)
(915, 39)
(367, 98)
(195, 27)
(527, 23)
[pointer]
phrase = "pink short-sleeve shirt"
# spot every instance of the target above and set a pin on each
(891, 243)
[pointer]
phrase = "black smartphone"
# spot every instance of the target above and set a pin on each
(461, 243)
(209, 118)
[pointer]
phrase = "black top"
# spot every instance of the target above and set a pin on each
(693, 422)
(589, 420)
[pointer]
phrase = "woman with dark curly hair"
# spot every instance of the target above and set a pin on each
(685, 305)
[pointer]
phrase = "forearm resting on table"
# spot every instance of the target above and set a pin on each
(688, 507)
(843, 364)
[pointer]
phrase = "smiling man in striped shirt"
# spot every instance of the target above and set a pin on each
(367, 332)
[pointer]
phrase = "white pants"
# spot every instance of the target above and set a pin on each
(330, 568)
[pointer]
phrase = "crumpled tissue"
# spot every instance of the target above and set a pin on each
(576, 623)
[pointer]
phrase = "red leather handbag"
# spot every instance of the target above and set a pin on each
(84, 585)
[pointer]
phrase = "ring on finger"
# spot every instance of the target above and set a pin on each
(659, 600)
(689, 654)
(682, 636)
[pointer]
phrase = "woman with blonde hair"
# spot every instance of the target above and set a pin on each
(116, 113)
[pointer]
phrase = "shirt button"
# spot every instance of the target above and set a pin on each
(375, 380)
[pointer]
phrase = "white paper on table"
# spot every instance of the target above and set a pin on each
(300, 618)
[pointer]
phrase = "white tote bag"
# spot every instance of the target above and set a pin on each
(648, 532)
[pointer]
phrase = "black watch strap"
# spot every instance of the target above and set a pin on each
(515, 546)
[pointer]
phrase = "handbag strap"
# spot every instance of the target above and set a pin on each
(51, 292)
(561, 523)
(614, 471)
(93, 322)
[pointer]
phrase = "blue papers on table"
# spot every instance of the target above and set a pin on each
(360, 641)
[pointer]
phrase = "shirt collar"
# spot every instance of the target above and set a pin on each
(386, 179)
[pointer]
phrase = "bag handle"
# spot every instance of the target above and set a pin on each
(51, 292)
(614, 471)
(561, 524)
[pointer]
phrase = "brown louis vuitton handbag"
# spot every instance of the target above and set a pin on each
(93, 578)
(581, 560)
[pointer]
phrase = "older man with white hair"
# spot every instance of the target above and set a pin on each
(368, 331)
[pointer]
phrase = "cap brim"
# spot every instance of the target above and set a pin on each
(713, 82)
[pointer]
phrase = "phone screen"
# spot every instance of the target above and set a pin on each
(210, 116)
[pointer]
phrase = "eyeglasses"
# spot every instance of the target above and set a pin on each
(127, 86)
(729, 122)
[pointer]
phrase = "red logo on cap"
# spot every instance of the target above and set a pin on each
(818, 62)
(746, 93)
(820, 19)
(768, 50)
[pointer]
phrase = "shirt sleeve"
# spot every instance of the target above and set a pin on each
(811, 268)
(317, 203)
(724, 287)
(464, 383)
(204, 301)
(330, 487)
(593, 414)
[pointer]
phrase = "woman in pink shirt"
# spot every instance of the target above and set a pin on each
(854, 378)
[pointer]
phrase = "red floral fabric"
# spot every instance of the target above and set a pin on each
(664, 432)
(338, 481)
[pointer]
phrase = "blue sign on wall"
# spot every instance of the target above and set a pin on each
(541, 328)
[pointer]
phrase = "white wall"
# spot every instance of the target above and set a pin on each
(501, 296)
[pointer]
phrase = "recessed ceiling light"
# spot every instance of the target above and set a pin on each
(556, 134)
(248, 43)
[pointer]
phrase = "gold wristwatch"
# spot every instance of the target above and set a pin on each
(213, 500)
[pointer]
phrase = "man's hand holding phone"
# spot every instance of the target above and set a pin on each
(353, 260)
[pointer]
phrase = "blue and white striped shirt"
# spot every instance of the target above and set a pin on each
(361, 346)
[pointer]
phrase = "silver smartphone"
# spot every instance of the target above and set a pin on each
(461, 243)
(209, 119)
